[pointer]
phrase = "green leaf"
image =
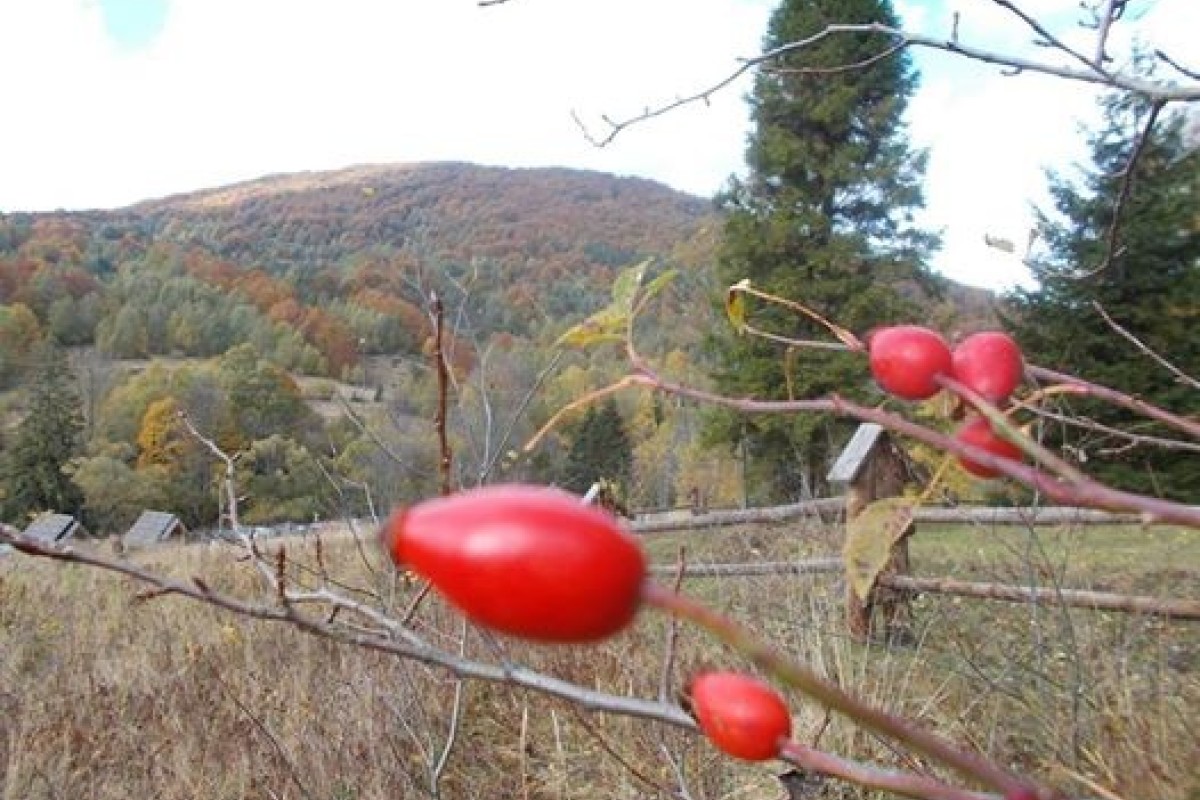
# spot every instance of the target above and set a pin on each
(626, 285)
(870, 538)
(735, 305)
(606, 325)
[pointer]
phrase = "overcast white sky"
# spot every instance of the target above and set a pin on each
(112, 101)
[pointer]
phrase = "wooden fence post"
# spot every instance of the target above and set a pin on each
(872, 467)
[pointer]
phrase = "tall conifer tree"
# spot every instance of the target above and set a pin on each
(44, 443)
(1150, 285)
(824, 217)
(601, 450)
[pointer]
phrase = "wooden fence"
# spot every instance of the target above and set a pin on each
(833, 508)
(830, 509)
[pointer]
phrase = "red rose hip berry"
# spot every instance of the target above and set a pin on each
(530, 561)
(906, 359)
(990, 364)
(978, 431)
(740, 715)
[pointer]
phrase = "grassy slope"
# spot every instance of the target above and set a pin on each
(105, 697)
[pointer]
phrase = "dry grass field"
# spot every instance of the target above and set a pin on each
(104, 696)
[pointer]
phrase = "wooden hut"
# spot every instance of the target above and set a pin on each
(50, 528)
(153, 527)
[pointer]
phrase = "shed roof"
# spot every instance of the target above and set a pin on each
(52, 527)
(856, 452)
(152, 527)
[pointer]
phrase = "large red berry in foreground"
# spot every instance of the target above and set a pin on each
(905, 360)
(990, 363)
(739, 714)
(531, 561)
(978, 431)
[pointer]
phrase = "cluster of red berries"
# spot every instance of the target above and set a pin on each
(907, 360)
(537, 563)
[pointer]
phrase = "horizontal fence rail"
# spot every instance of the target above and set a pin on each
(1074, 598)
(679, 520)
(1022, 515)
(832, 507)
(1099, 601)
(812, 566)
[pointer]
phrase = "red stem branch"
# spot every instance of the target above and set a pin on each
(831, 696)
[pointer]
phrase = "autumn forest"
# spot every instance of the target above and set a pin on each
(288, 320)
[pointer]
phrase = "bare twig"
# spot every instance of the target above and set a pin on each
(456, 713)
(1166, 59)
(898, 39)
(289, 762)
(445, 460)
(1140, 345)
(1112, 249)
(506, 437)
(1113, 9)
(857, 65)
(669, 646)
(1048, 39)
(616, 756)
(1085, 387)
(1130, 439)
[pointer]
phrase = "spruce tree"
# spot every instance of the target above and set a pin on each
(823, 217)
(44, 442)
(601, 450)
(1149, 284)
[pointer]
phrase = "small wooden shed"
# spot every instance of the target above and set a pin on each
(872, 467)
(153, 527)
(51, 527)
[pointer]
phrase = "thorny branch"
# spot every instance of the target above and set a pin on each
(1076, 489)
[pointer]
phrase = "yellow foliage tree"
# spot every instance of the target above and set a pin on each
(160, 438)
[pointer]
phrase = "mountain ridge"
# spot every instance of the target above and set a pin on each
(347, 259)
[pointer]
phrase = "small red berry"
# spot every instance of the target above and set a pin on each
(906, 359)
(740, 715)
(531, 561)
(989, 363)
(978, 431)
(1021, 794)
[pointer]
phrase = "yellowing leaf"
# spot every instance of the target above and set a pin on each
(869, 540)
(606, 325)
(735, 305)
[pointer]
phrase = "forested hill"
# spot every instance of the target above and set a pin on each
(549, 220)
(319, 270)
